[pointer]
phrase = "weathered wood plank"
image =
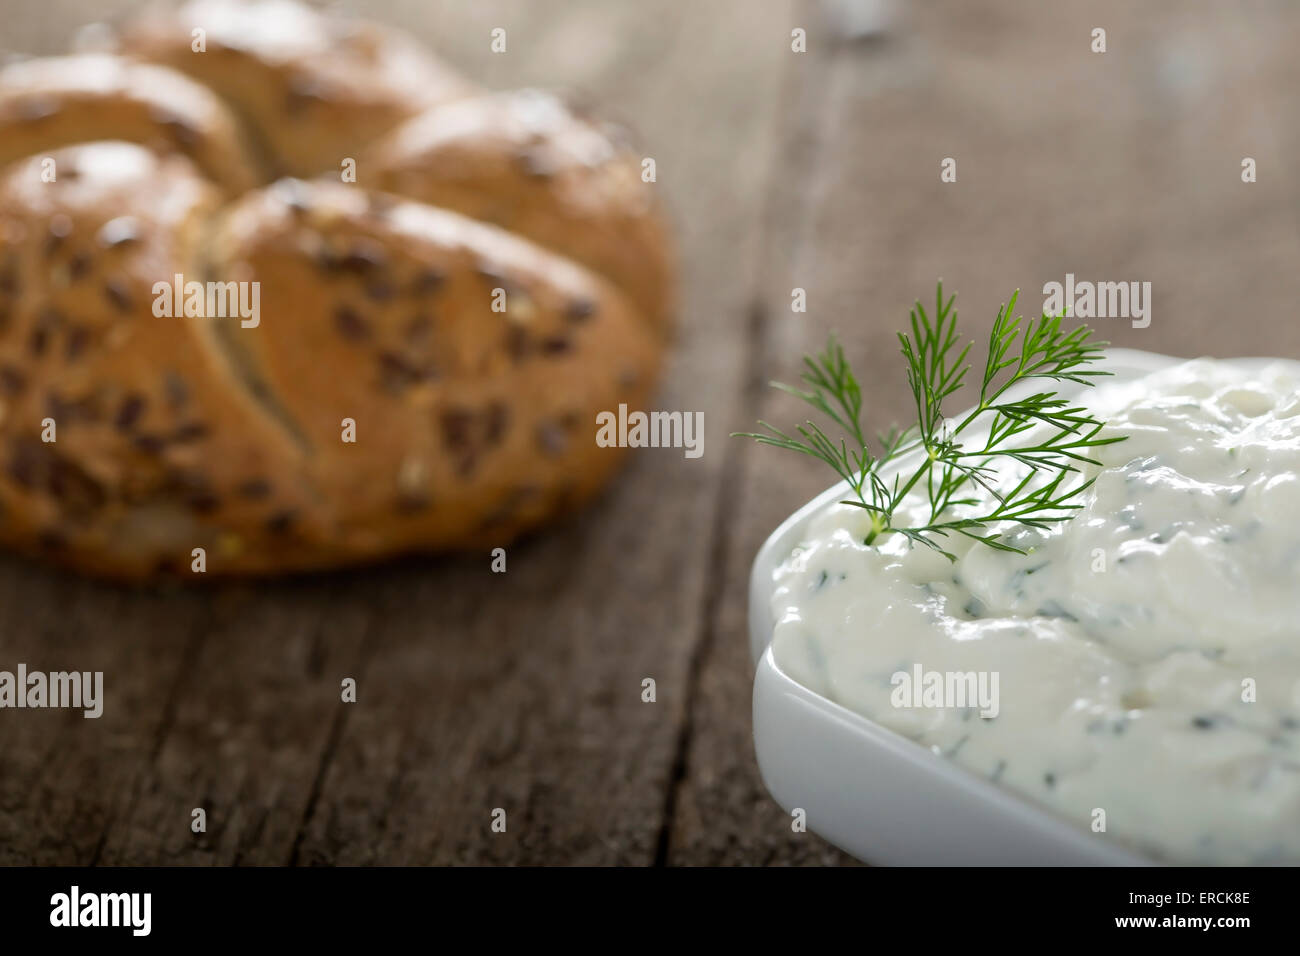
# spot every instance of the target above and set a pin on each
(526, 696)
(1123, 165)
(63, 777)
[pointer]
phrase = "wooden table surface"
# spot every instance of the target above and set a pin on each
(522, 690)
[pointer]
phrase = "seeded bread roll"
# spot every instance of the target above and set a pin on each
(471, 424)
(314, 89)
(524, 161)
(419, 372)
(158, 448)
(59, 101)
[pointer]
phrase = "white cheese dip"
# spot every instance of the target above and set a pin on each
(1124, 641)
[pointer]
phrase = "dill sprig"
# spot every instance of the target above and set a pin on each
(956, 463)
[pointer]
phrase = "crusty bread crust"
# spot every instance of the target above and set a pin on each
(524, 161)
(312, 88)
(426, 369)
(59, 101)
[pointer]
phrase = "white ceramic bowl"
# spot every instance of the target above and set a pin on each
(876, 794)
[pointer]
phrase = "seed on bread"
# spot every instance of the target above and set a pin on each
(115, 291)
(281, 522)
(362, 257)
(419, 331)
(552, 439)
(579, 310)
(556, 345)
(130, 411)
(380, 290)
(149, 444)
(190, 432)
(175, 389)
(397, 373)
(12, 381)
(413, 493)
(350, 324)
(254, 489)
(427, 281)
(78, 267)
(75, 344)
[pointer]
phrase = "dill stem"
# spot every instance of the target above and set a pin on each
(880, 525)
(911, 482)
(979, 410)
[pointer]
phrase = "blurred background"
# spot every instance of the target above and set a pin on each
(817, 170)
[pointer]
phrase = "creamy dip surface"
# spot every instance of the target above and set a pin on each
(1147, 652)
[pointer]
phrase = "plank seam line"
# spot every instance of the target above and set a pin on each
(337, 726)
(167, 720)
(726, 505)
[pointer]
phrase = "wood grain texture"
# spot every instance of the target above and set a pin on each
(522, 691)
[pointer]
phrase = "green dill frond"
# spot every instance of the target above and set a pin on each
(950, 469)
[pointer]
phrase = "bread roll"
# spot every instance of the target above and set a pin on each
(205, 367)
